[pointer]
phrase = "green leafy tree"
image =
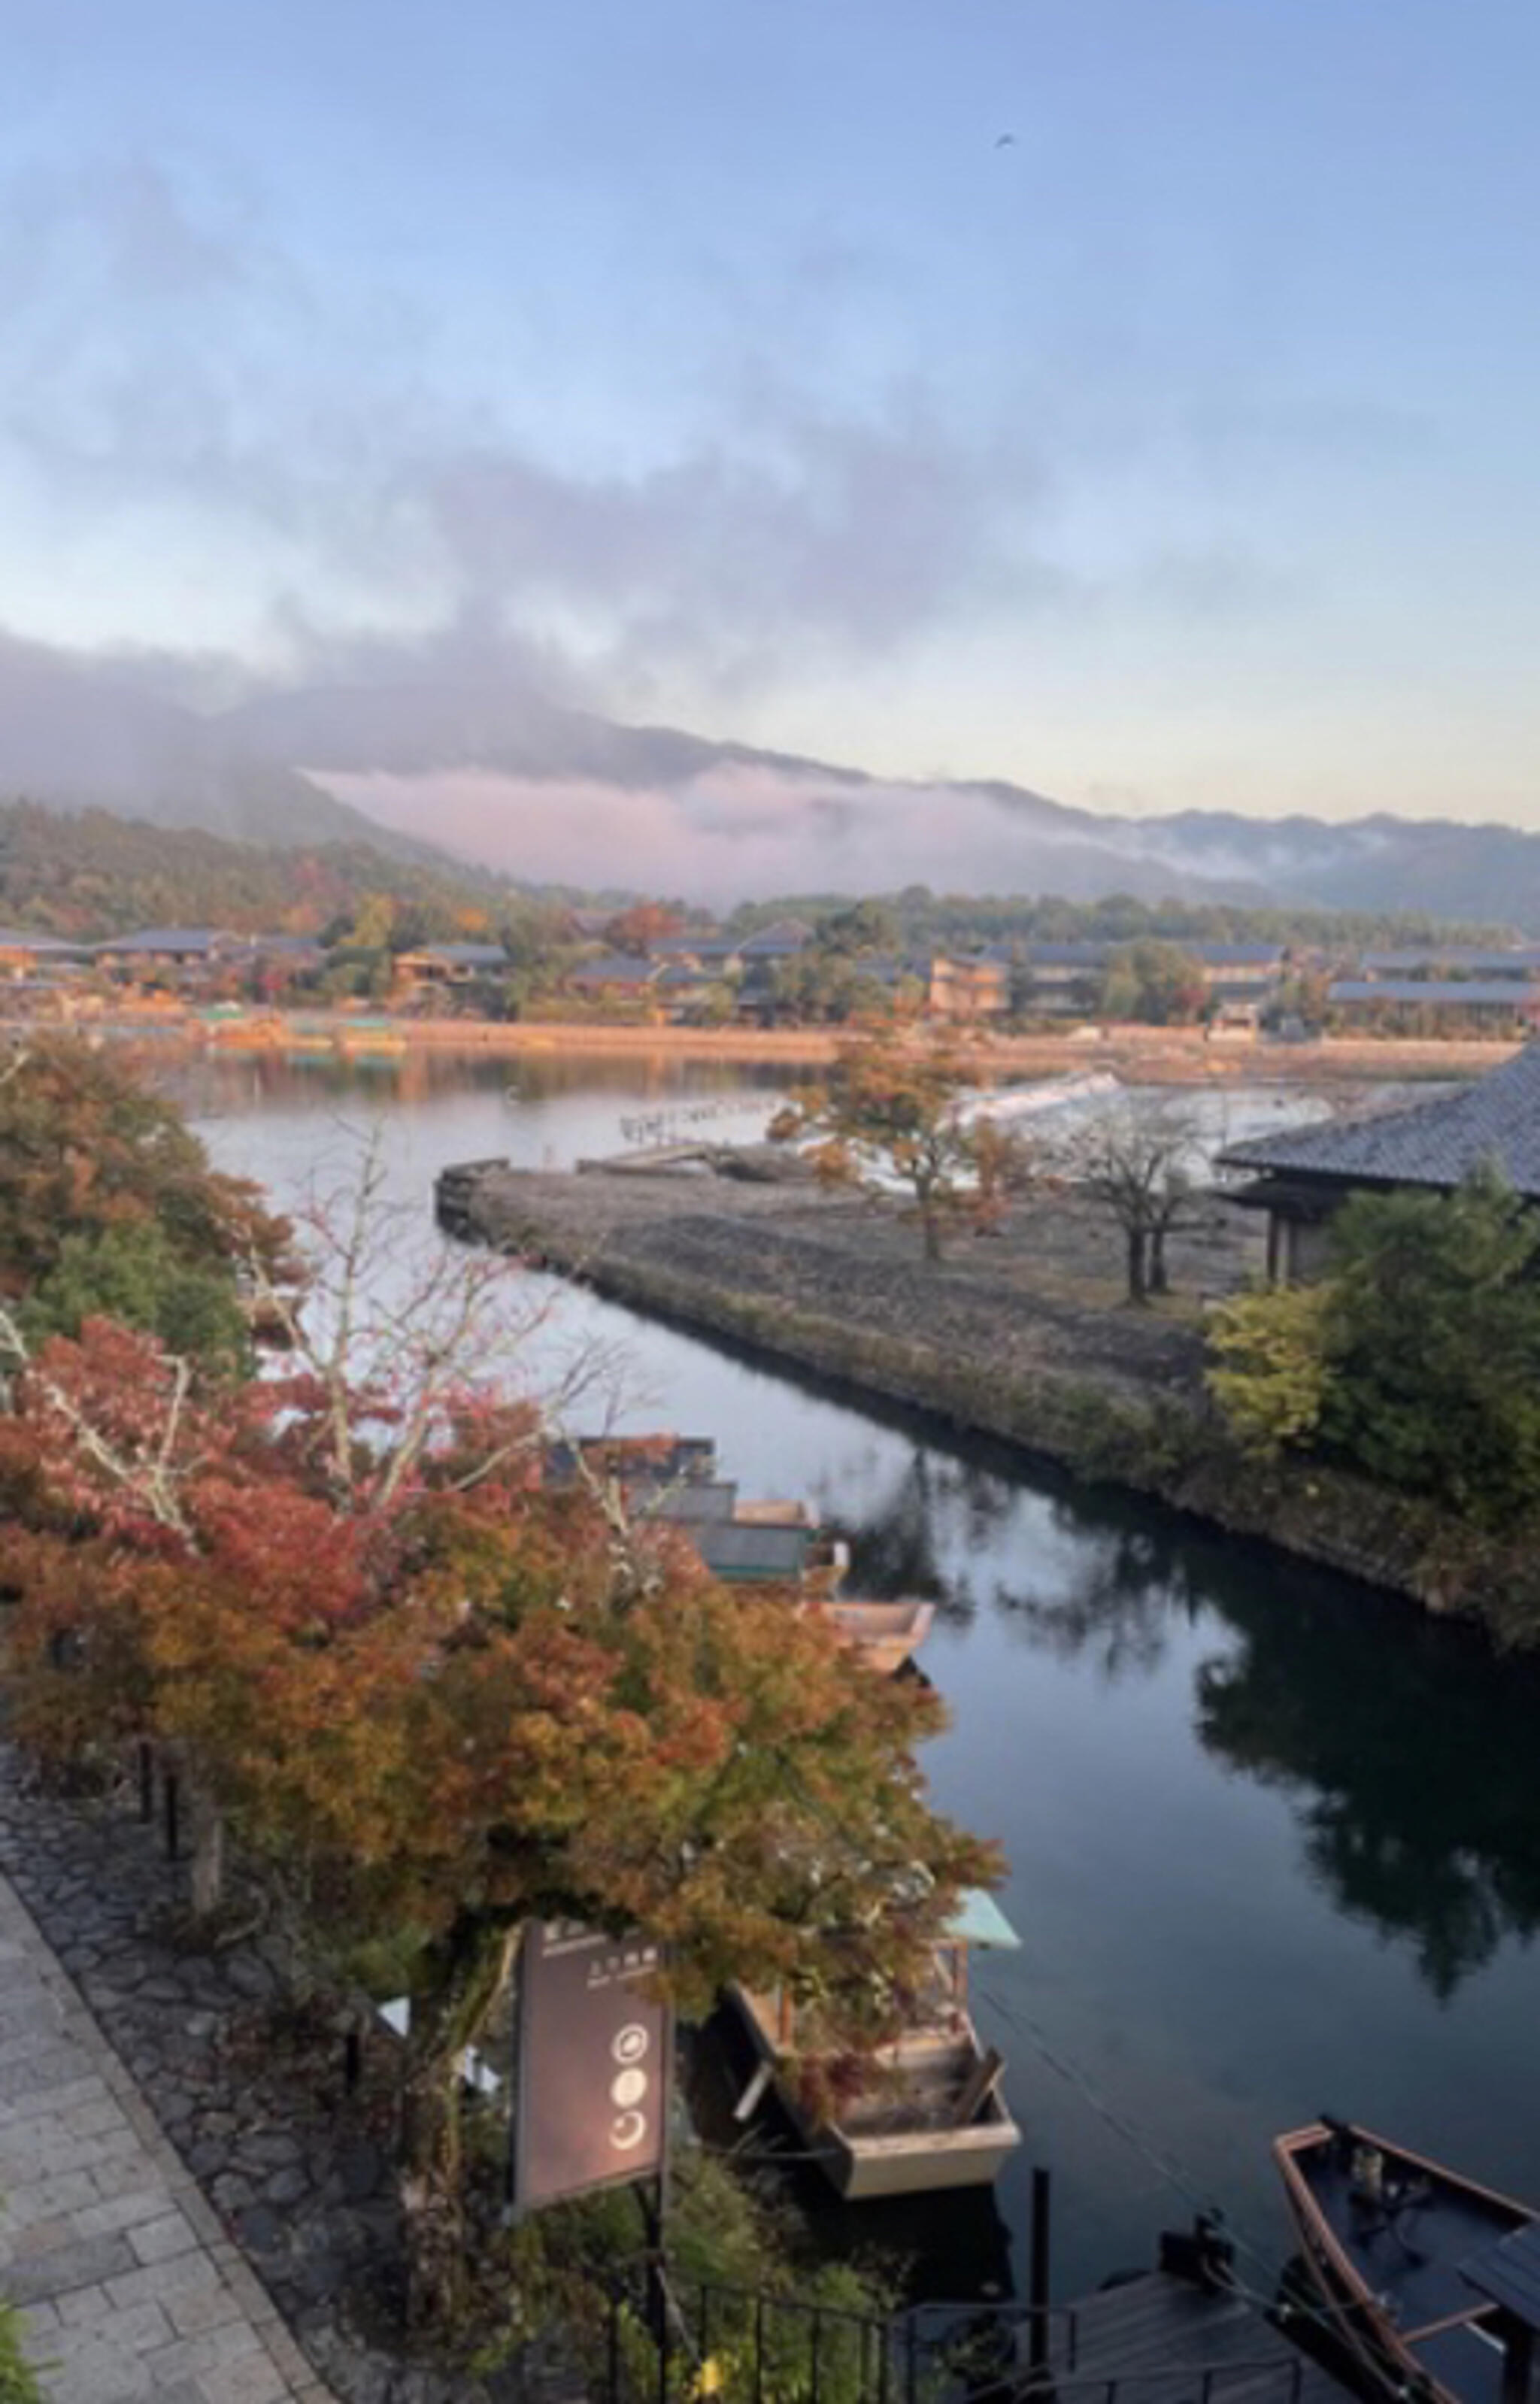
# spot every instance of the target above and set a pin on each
(1417, 1360)
(1434, 1344)
(1269, 1369)
(132, 1273)
(1154, 981)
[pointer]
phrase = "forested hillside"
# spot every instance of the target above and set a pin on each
(92, 874)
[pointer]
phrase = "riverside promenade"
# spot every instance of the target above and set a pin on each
(131, 2288)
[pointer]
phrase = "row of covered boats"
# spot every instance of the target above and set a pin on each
(931, 2112)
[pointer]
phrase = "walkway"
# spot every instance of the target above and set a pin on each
(132, 2290)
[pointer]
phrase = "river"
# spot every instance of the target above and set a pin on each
(1274, 1841)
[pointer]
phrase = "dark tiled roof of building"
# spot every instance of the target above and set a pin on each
(1235, 956)
(465, 956)
(193, 942)
(1439, 993)
(1512, 960)
(22, 938)
(786, 935)
(1070, 956)
(1438, 1143)
(619, 967)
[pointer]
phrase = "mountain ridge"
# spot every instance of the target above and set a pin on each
(504, 777)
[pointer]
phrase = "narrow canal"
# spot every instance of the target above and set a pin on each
(1274, 1843)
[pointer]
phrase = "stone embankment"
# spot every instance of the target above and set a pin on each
(1021, 1335)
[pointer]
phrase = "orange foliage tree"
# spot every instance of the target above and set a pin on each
(889, 1109)
(444, 1706)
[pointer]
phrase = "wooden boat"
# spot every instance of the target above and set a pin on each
(1421, 2273)
(885, 1634)
(657, 1459)
(932, 2115)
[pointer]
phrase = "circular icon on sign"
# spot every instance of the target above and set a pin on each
(629, 2087)
(626, 2132)
(630, 2043)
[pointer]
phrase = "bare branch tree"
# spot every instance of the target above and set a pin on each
(406, 1335)
(1142, 1160)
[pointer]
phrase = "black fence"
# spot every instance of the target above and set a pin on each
(665, 2342)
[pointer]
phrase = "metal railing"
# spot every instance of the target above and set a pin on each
(673, 2342)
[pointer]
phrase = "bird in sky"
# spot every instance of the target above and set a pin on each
(1006, 142)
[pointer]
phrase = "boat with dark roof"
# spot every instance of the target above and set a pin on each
(1430, 2282)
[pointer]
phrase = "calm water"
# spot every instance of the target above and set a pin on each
(1275, 1845)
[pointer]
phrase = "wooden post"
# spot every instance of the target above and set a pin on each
(1518, 2358)
(171, 1791)
(146, 1782)
(1037, 2276)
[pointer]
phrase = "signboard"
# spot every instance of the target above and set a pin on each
(592, 2074)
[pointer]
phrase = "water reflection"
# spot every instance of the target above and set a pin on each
(1411, 1764)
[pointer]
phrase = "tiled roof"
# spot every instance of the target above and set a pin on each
(1070, 956)
(617, 968)
(1235, 956)
(1496, 1120)
(1512, 960)
(194, 941)
(1439, 993)
(22, 938)
(465, 956)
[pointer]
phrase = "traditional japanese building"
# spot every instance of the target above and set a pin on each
(1302, 1176)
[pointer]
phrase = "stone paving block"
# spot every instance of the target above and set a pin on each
(52, 2066)
(128, 2174)
(188, 2274)
(23, 2010)
(28, 2106)
(81, 2306)
(257, 2380)
(28, 2045)
(68, 2191)
(83, 2366)
(79, 2265)
(141, 2204)
(41, 2237)
(214, 2308)
(93, 2119)
(162, 2240)
(211, 2349)
(143, 2328)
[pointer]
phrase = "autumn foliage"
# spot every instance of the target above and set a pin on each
(433, 1697)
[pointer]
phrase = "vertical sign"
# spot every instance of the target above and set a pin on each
(591, 2080)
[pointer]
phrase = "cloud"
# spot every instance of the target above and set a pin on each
(164, 356)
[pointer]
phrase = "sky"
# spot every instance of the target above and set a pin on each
(1136, 398)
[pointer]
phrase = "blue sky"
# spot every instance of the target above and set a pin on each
(722, 363)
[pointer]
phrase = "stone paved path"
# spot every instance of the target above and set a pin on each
(131, 2288)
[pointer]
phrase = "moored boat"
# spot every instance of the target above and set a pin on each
(1421, 2273)
(885, 1634)
(933, 2115)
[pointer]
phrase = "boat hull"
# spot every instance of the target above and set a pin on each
(1384, 2263)
(863, 2166)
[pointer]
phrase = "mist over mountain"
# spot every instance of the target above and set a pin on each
(566, 795)
(72, 736)
(499, 775)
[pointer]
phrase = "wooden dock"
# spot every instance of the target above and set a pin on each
(1159, 2339)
